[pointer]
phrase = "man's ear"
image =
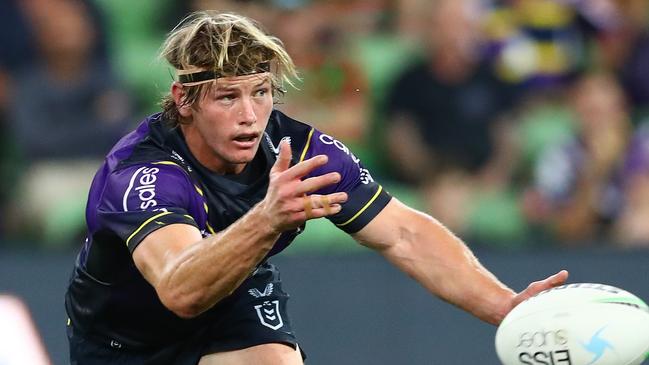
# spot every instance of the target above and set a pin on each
(179, 94)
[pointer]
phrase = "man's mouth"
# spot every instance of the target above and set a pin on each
(246, 140)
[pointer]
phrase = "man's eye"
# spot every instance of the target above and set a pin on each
(261, 92)
(226, 97)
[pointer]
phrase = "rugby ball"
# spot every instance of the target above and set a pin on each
(576, 324)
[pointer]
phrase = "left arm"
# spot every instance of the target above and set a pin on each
(414, 242)
(424, 249)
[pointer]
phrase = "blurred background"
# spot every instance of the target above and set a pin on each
(522, 125)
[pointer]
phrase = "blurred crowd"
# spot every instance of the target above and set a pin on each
(516, 123)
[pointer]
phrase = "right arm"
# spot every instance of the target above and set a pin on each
(191, 274)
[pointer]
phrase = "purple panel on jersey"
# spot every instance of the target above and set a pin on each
(365, 198)
(122, 150)
(341, 159)
(125, 146)
(154, 193)
(148, 187)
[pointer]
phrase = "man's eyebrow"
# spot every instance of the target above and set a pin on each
(226, 88)
(262, 82)
(235, 87)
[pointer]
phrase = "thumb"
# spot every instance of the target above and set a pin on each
(559, 278)
(284, 158)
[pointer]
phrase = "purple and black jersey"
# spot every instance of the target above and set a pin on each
(150, 180)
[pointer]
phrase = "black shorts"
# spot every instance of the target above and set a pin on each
(255, 314)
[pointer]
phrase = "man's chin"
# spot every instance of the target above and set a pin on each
(243, 158)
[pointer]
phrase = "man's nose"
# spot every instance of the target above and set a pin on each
(247, 112)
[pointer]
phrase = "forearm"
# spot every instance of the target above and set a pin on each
(428, 252)
(437, 259)
(191, 274)
(206, 272)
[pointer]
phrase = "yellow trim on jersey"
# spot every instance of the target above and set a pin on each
(306, 147)
(212, 231)
(199, 190)
(171, 163)
(166, 163)
(207, 211)
(144, 224)
(376, 195)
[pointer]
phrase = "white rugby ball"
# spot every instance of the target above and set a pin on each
(576, 324)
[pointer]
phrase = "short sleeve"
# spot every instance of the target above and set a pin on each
(366, 198)
(141, 199)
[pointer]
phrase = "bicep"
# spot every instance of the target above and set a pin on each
(389, 227)
(154, 253)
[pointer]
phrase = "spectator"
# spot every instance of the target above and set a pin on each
(631, 227)
(16, 38)
(581, 183)
(543, 44)
(65, 110)
(446, 117)
(17, 46)
(624, 49)
(135, 29)
(332, 93)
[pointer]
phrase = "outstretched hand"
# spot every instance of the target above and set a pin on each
(537, 287)
(288, 202)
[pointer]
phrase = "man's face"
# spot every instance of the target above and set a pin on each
(229, 121)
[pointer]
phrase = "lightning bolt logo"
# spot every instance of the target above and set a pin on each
(597, 346)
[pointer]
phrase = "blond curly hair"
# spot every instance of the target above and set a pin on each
(227, 44)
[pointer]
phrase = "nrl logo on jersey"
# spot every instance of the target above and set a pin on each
(268, 314)
(268, 311)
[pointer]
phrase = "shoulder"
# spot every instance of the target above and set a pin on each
(141, 198)
(127, 147)
(307, 141)
(147, 185)
(320, 143)
(341, 159)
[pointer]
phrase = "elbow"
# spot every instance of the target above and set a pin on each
(186, 312)
(184, 305)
